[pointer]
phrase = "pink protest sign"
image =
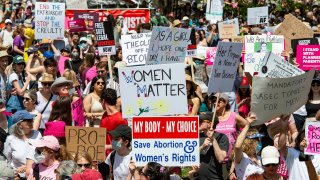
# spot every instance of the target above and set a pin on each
(61, 62)
(78, 112)
(77, 25)
(308, 56)
(211, 54)
(313, 138)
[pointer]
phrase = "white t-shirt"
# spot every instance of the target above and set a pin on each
(42, 103)
(7, 38)
(296, 169)
(2, 88)
(247, 167)
(120, 165)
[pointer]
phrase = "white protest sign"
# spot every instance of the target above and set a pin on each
(49, 20)
(202, 51)
(76, 4)
(275, 67)
(272, 97)
(214, 10)
(168, 45)
(153, 90)
(224, 70)
(135, 48)
(234, 21)
(264, 43)
(258, 15)
(253, 62)
(312, 135)
(170, 141)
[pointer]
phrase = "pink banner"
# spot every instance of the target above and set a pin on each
(77, 25)
(313, 138)
(210, 55)
(308, 56)
(78, 112)
(61, 62)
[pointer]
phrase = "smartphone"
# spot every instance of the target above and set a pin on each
(303, 157)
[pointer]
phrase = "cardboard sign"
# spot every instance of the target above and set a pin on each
(78, 111)
(76, 4)
(225, 67)
(293, 28)
(237, 39)
(272, 97)
(91, 140)
(49, 20)
(214, 10)
(135, 48)
(89, 18)
(105, 39)
(153, 90)
(168, 45)
(227, 31)
(308, 57)
(258, 15)
(77, 25)
(170, 141)
(312, 134)
(264, 43)
(211, 54)
(132, 17)
(304, 41)
(275, 67)
(234, 21)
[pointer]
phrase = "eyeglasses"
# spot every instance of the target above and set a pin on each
(27, 99)
(315, 84)
(268, 165)
(19, 64)
(46, 84)
(84, 165)
(100, 83)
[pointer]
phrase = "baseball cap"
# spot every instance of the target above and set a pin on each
(88, 174)
(48, 54)
(223, 96)
(185, 18)
(50, 142)
(122, 130)
(32, 49)
(18, 59)
(83, 39)
(8, 21)
(206, 116)
(21, 116)
(270, 155)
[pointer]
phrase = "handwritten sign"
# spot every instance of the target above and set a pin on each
(227, 31)
(308, 57)
(264, 43)
(78, 112)
(135, 48)
(211, 54)
(192, 44)
(238, 39)
(253, 62)
(61, 64)
(273, 66)
(234, 21)
(153, 90)
(168, 45)
(272, 97)
(214, 10)
(89, 18)
(313, 138)
(76, 4)
(49, 20)
(91, 140)
(258, 15)
(225, 67)
(105, 39)
(202, 51)
(77, 25)
(170, 141)
(303, 41)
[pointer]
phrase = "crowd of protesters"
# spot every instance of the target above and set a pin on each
(36, 97)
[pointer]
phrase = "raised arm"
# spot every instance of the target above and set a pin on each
(283, 125)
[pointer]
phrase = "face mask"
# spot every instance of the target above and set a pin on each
(259, 147)
(116, 145)
(40, 158)
(84, 46)
(75, 54)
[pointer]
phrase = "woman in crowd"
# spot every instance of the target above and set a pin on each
(83, 160)
(313, 104)
(193, 99)
(45, 99)
(270, 160)
(18, 41)
(154, 171)
(88, 62)
(200, 40)
(61, 111)
(66, 169)
(92, 102)
(244, 98)
(30, 102)
(61, 86)
(75, 60)
(6, 171)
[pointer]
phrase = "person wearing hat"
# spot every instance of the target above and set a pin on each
(159, 20)
(193, 97)
(270, 160)
(75, 60)
(18, 79)
(313, 103)
(121, 155)
(29, 36)
(84, 46)
(61, 86)
(213, 37)
(243, 98)
(88, 174)
(6, 34)
(5, 59)
(213, 150)
(176, 23)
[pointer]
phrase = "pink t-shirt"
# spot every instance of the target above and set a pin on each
(46, 172)
(91, 73)
(229, 128)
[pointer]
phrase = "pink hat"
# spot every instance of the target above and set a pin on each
(55, 128)
(50, 142)
(88, 174)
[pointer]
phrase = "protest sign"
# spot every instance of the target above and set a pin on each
(77, 25)
(168, 45)
(135, 48)
(211, 54)
(273, 66)
(237, 39)
(253, 62)
(76, 4)
(214, 10)
(312, 135)
(258, 15)
(308, 57)
(61, 64)
(132, 17)
(105, 39)
(227, 31)
(89, 139)
(272, 97)
(192, 44)
(49, 20)
(170, 141)
(225, 67)
(198, 78)
(78, 111)
(202, 51)
(264, 43)
(304, 41)
(89, 18)
(153, 90)
(234, 21)
(293, 28)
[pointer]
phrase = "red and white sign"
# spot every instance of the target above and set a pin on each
(168, 140)
(132, 17)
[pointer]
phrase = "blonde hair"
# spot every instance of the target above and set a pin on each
(71, 75)
(83, 154)
(248, 145)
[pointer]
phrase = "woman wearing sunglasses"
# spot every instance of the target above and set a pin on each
(29, 103)
(313, 104)
(270, 160)
(83, 160)
(92, 102)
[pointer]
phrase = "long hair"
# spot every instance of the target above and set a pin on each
(71, 75)
(93, 82)
(88, 62)
(18, 31)
(61, 110)
(248, 145)
(157, 172)
(85, 155)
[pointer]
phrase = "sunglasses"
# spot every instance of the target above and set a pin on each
(27, 99)
(100, 83)
(46, 84)
(38, 151)
(19, 64)
(84, 165)
(315, 84)
(273, 165)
